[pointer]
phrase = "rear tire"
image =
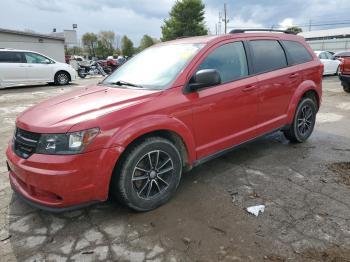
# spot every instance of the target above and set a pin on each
(148, 175)
(62, 78)
(81, 74)
(303, 122)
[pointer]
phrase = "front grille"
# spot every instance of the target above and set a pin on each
(25, 142)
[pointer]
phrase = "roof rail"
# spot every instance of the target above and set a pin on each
(237, 31)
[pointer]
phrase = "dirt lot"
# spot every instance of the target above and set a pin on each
(305, 189)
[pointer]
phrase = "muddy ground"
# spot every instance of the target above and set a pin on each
(305, 189)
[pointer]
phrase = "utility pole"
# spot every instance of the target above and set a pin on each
(310, 25)
(219, 24)
(225, 20)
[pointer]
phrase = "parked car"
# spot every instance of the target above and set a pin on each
(344, 72)
(170, 108)
(342, 54)
(331, 63)
(22, 67)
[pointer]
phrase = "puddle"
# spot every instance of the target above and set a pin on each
(342, 169)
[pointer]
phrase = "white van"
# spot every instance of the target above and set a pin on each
(22, 67)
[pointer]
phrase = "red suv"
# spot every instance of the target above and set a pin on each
(170, 108)
(344, 72)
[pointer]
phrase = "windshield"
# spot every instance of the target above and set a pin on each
(156, 67)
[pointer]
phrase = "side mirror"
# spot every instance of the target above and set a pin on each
(205, 78)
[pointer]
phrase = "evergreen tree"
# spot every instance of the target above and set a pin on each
(186, 19)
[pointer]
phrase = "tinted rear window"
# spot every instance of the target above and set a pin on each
(268, 55)
(10, 57)
(298, 53)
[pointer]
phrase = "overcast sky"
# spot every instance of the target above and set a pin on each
(138, 17)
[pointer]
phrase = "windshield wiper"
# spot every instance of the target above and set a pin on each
(124, 83)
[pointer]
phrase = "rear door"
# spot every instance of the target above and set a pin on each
(225, 115)
(39, 68)
(276, 81)
(13, 69)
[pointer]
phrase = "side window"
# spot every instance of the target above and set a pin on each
(268, 55)
(10, 57)
(329, 55)
(35, 58)
(298, 53)
(322, 56)
(229, 60)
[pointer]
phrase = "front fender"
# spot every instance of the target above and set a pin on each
(298, 94)
(147, 124)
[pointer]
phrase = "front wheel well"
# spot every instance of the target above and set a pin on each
(167, 134)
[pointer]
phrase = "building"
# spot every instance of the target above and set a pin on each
(70, 37)
(337, 39)
(52, 46)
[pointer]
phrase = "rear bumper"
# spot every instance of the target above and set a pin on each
(60, 183)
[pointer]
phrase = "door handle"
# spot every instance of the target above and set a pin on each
(249, 88)
(294, 75)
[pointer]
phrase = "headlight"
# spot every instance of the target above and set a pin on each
(66, 144)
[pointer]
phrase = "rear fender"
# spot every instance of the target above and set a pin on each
(298, 94)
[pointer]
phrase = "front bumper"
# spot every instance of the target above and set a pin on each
(73, 75)
(62, 182)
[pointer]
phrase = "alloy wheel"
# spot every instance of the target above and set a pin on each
(305, 120)
(152, 174)
(62, 79)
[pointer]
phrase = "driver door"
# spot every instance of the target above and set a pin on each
(225, 115)
(39, 68)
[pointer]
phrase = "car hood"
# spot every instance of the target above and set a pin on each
(59, 114)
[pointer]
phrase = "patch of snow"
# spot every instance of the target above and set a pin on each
(255, 210)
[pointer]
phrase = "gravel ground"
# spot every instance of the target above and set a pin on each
(305, 189)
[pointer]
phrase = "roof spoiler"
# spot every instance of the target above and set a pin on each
(238, 31)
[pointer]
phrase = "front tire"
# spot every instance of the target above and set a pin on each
(148, 175)
(62, 78)
(303, 122)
